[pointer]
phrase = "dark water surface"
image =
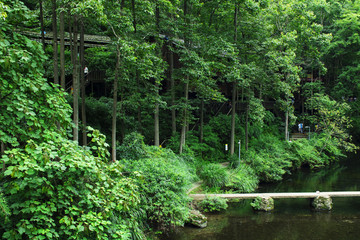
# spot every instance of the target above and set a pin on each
(292, 218)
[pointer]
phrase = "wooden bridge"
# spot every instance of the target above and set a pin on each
(319, 200)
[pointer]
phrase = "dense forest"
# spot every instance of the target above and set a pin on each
(111, 110)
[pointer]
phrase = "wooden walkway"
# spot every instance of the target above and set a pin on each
(198, 197)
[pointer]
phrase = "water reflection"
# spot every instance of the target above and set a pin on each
(292, 218)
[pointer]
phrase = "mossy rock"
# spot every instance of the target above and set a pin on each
(322, 203)
(197, 219)
(263, 204)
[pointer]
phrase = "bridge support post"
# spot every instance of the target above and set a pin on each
(322, 203)
(263, 204)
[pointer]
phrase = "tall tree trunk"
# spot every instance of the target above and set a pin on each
(134, 14)
(247, 127)
(186, 90)
(76, 83)
(184, 121)
(71, 38)
(122, 4)
(233, 102)
(157, 83)
(172, 82)
(55, 45)
(42, 24)
(1, 153)
(233, 114)
(202, 121)
(286, 124)
(82, 77)
(139, 109)
(236, 21)
(156, 122)
(114, 110)
(62, 49)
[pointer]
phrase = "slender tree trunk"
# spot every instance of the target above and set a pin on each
(156, 122)
(134, 14)
(82, 77)
(122, 4)
(139, 109)
(76, 83)
(71, 39)
(172, 81)
(184, 122)
(2, 152)
(312, 91)
(42, 24)
(233, 102)
(186, 91)
(247, 127)
(235, 21)
(55, 44)
(157, 83)
(233, 114)
(286, 125)
(62, 49)
(114, 110)
(202, 121)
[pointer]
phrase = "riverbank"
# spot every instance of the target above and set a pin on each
(291, 218)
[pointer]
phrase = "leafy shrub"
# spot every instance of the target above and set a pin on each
(133, 147)
(58, 190)
(164, 179)
(213, 204)
(234, 161)
(269, 157)
(4, 209)
(214, 175)
(306, 153)
(243, 179)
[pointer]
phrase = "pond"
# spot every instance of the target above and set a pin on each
(292, 218)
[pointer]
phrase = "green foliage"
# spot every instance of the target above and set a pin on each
(4, 208)
(332, 119)
(98, 114)
(57, 189)
(262, 204)
(29, 106)
(164, 179)
(306, 153)
(213, 204)
(269, 157)
(214, 175)
(133, 147)
(256, 204)
(243, 179)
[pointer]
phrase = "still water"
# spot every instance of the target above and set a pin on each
(292, 218)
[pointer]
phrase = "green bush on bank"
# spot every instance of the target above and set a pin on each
(58, 190)
(269, 157)
(243, 179)
(213, 204)
(214, 175)
(164, 179)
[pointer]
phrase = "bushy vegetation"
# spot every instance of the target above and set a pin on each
(213, 204)
(164, 179)
(243, 179)
(214, 175)
(53, 188)
(56, 189)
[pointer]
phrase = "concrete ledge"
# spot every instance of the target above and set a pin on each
(198, 197)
